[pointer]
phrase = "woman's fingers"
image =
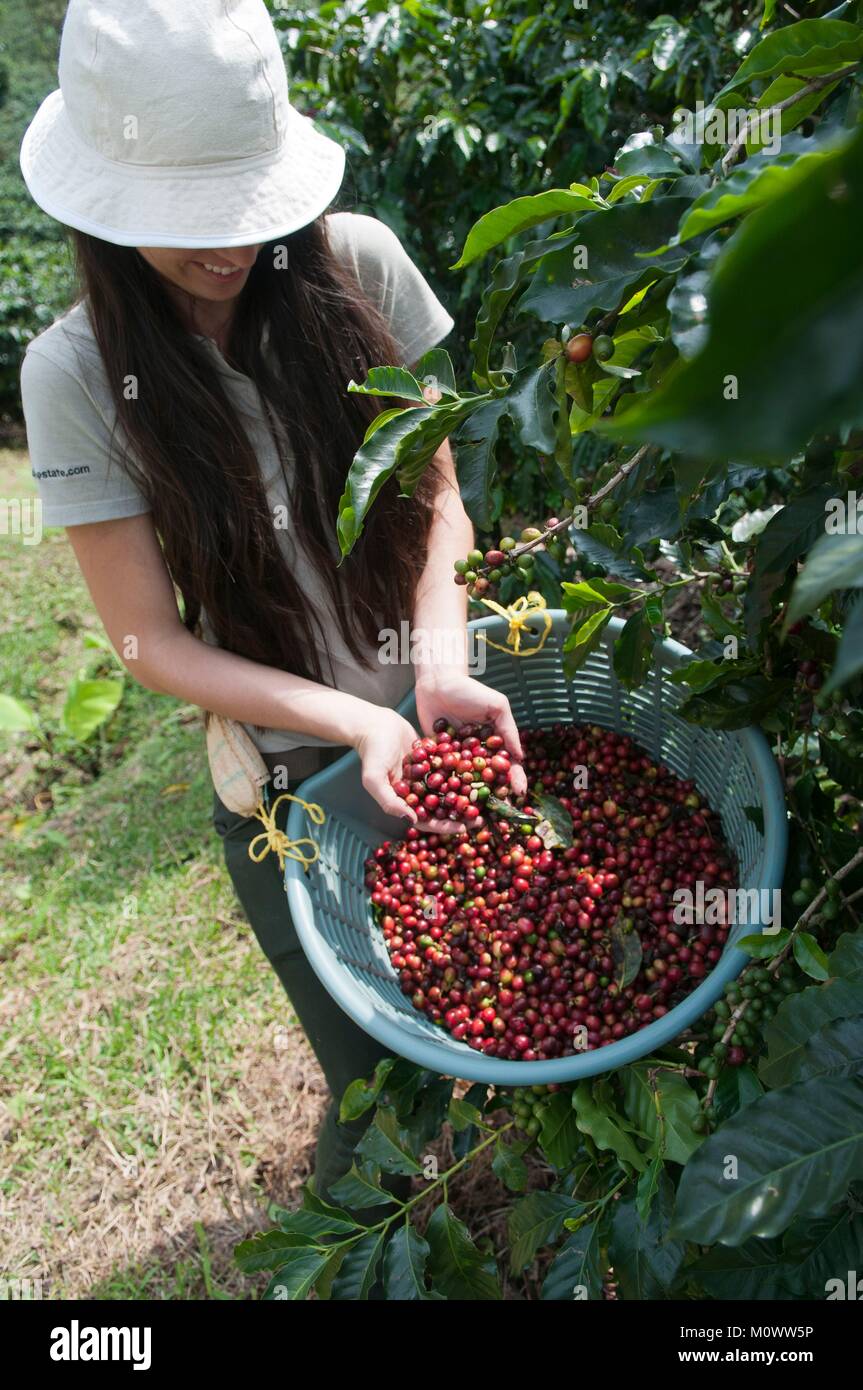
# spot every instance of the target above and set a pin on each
(377, 784)
(506, 727)
(444, 827)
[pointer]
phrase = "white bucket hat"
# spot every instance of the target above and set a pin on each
(172, 127)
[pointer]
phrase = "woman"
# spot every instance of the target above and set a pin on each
(188, 421)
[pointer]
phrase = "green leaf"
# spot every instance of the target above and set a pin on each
(88, 705)
(627, 954)
(819, 1251)
(360, 1187)
(16, 717)
(810, 46)
(750, 1272)
(584, 638)
(751, 392)
(535, 1221)
(633, 650)
(509, 1166)
(576, 1266)
(761, 178)
(361, 1094)
(788, 535)
(604, 1127)
(530, 403)
(404, 444)
(476, 460)
(358, 1269)
(390, 381)
(461, 1114)
(293, 1281)
(457, 1269)
(835, 1050)
(435, 367)
(762, 945)
(849, 658)
(648, 1186)
(555, 825)
(798, 1019)
(736, 1088)
(404, 1267)
(809, 956)
(385, 1143)
(559, 1138)
(427, 1119)
(510, 219)
(834, 562)
(736, 704)
(796, 1150)
(845, 768)
(846, 960)
(672, 1137)
(645, 1261)
(268, 1250)
(614, 241)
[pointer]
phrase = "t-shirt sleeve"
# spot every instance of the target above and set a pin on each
(78, 476)
(417, 319)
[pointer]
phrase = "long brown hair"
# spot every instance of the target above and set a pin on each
(190, 455)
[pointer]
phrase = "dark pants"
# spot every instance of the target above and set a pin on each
(343, 1050)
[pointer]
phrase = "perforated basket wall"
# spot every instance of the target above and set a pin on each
(334, 920)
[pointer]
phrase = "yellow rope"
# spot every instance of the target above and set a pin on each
(519, 616)
(276, 840)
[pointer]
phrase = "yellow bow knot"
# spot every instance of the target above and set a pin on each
(272, 838)
(519, 615)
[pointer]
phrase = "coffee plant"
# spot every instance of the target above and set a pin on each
(664, 421)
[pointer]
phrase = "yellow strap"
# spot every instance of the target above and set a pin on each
(519, 616)
(272, 838)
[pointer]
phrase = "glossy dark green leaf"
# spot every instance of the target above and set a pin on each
(644, 1258)
(360, 1188)
(387, 1144)
(798, 1019)
(405, 1259)
(390, 381)
(787, 536)
(846, 959)
(613, 241)
(535, 1221)
(759, 179)
(361, 1094)
(296, 1277)
(664, 1111)
(736, 1088)
(834, 562)
(633, 650)
(836, 1050)
(849, 659)
(559, 1138)
(268, 1249)
(752, 1271)
(795, 1150)
(627, 954)
(820, 1252)
(358, 1269)
(458, 1270)
(605, 1127)
(810, 957)
(509, 1166)
(736, 704)
(809, 46)
(476, 460)
(518, 216)
(576, 1271)
(751, 392)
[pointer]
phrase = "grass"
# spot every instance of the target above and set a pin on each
(156, 1092)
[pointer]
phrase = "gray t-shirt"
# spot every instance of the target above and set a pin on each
(70, 419)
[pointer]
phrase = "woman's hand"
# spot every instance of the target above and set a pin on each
(382, 746)
(463, 700)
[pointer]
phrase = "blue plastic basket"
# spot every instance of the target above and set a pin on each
(330, 907)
